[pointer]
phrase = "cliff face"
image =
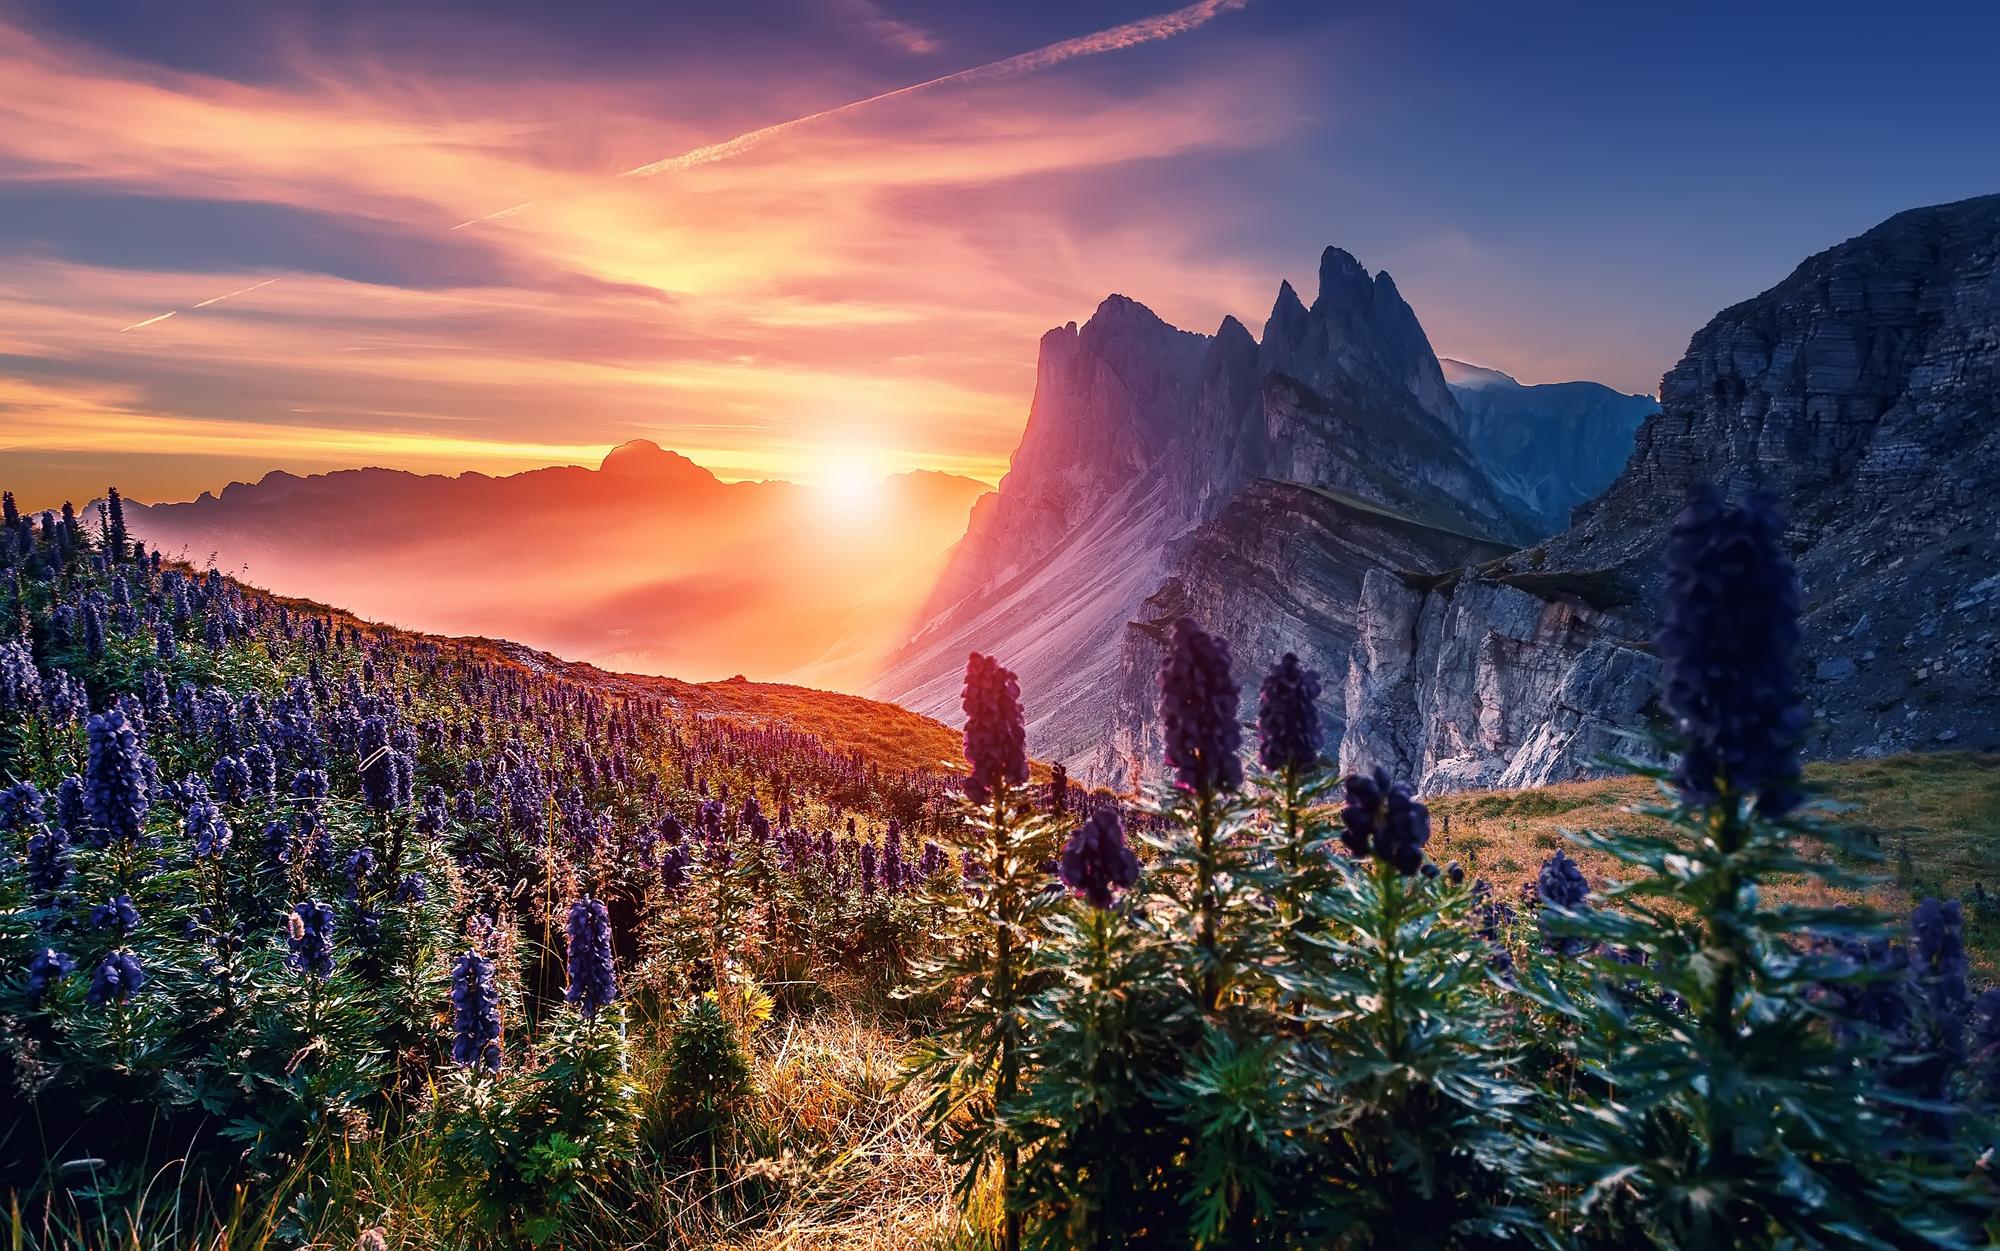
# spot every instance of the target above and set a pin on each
(1864, 390)
(1279, 570)
(1550, 446)
(1139, 436)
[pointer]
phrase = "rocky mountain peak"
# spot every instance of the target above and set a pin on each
(1861, 390)
(1343, 282)
(1140, 435)
(643, 459)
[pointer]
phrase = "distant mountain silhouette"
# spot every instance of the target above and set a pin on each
(1549, 446)
(648, 562)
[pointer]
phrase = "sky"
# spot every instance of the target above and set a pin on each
(1561, 190)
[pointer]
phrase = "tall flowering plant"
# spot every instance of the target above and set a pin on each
(1728, 1112)
(1206, 901)
(1296, 780)
(975, 1065)
(1407, 1115)
(1105, 1170)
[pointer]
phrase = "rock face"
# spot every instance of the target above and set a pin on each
(1134, 481)
(1279, 570)
(1550, 446)
(1864, 390)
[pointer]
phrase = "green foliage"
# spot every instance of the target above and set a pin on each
(1723, 1110)
(704, 1086)
(1101, 1164)
(973, 1068)
(1409, 1069)
(529, 1151)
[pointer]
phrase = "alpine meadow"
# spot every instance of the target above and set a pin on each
(552, 700)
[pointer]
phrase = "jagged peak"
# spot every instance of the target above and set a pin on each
(1342, 279)
(1288, 303)
(1121, 311)
(1232, 333)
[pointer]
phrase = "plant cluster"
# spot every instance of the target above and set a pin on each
(1278, 1023)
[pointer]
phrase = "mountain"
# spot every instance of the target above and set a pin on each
(1151, 454)
(647, 562)
(1864, 391)
(1550, 446)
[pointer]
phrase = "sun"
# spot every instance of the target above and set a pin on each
(849, 481)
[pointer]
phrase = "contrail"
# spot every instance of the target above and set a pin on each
(213, 299)
(232, 294)
(1130, 35)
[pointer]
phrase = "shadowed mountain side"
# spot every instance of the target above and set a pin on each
(1550, 446)
(1864, 391)
(1139, 433)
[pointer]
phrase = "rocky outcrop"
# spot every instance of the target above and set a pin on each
(1468, 682)
(1864, 390)
(1550, 446)
(1279, 570)
(1139, 436)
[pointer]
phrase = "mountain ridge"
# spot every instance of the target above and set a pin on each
(647, 562)
(1139, 435)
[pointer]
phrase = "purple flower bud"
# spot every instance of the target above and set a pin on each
(1561, 884)
(309, 935)
(1288, 728)
(1385, 819)
(1096, 862)
(1198, 712)
(117, 978)
(48, 863)
(207, 830)
(593, 973)
(475, 1012)
(115, 779)
(48, 967)
(117, 915)
(995, 738)
(1726, 647)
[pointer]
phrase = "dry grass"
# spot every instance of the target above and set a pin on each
(1936, 818)
(884, 733)
(864, 1175)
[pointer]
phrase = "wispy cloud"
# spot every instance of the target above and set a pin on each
(879, 277)
(871, 17)
(1130, 35)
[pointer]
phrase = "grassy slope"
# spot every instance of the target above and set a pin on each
(1944, 809)
(890, 736)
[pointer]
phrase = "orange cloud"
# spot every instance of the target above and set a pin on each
(879, 277)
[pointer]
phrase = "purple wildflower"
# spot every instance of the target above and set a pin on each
(1726, 646)
(117, 978)
(1198, 712)
(995, 737)
(1288, 727)
(593, 973)
(475, 1013)
(309, 935)
(1386, 819)
(117, 915)
(115, 779)
(47, 968)
(1561, 884)
(1096, 862)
